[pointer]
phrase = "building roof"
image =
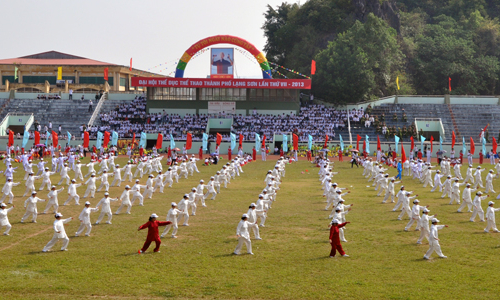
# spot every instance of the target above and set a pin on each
(54, 58)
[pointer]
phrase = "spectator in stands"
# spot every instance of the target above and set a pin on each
(70, 94)
(90, 105)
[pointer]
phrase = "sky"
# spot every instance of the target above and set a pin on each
(152, 32)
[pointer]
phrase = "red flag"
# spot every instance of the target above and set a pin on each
(403, 153)
(189, 141)
(326, 142)
(494, 145)
(472, 146)
(219, 139)
(357, 142)
(241, 139)
(264, 141)
(313, 67)
(106, 139)
(453, 139)
(159, 141)
(130, 64)
(378, 144)
(55, 138)
(133, 140)
(364, 145)
(295, 142)
(106, 70)
(449, 83)
(432, 140)
(37, 137)
(85, 139)
(412, 143)
(11, 138)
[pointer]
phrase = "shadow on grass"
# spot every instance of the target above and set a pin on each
(228, 255)
(320, 258)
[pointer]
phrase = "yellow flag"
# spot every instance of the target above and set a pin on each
(59, 73)
(397, 81)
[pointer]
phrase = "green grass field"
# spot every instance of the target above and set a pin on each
(291, 262)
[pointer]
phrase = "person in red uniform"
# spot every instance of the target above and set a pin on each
(461, 156)
(169, 153)
(141, 151)
(340, 155)
(254, 154)
(481, 157)
(152, 226)
(200, 153)
(282, 153)
(229, 153)
(309, 155)
(419, 154)
(335, 239)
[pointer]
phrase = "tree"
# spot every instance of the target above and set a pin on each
(373, 53)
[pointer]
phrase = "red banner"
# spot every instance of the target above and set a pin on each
(55, 138)
(264, 141)
(86, 139)
(326, 142)
(189, 141)
(403, 153)
(222, 83)
(313, 67)
(412, 144)
(432, 140)
(133, 141)
(378, 144)
(295, 142)
(11, 138)
(219, 139)
(357, 142)
(37, 137)
(159, 141)
(106, 70)
(472, 146)
(106, 139)
(453, 139)
(495, 145)
(241, 139)
(130, 64)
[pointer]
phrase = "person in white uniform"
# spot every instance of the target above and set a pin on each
(46, 179)
(184, 210)
(490, 217)
(243, 235)
(252, 219)
(52, 199)
(172, 217)
(59, 234)
(30, 205)
(106, 208)
(7, 190)
(117, 174)
(85, 219)
(72, 193)
(476, 207)
(104, 181)
(4, 220)
(415, 214)
(90, 186)
(466, 197)
(30, 183)
(125, 198)
(434, 239)
(423, 223)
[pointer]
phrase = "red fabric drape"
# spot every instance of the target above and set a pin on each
(494, 145)
(55, 139)
(241, 139)
(472, 146)
(403, 153)
(85, 139)
(159, 141)
(133, 140)
(106, 70)
(106, 139)
(412, 144)
(313, 67)
(326, 142)
(219, 139)
(357, 142)
(264, 141)
(295, 142)
(11, 138)
(37, 137)
(453, 139)
(189, 141)
(379, 147)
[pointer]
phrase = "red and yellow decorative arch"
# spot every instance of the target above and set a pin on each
(223, 39)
